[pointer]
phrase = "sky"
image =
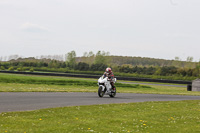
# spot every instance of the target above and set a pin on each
(162, 29)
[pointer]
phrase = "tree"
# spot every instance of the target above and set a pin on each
(198, 69)
(71, 59)
(189, 59)
(13, 57)
(177, 58)
(126, 68)
(158, 71)
(82, 66)
(88, 57)
(98, 67)
(101, 57)
(90, 54)
(85, 54)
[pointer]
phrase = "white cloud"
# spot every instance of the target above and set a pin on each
(30, 27)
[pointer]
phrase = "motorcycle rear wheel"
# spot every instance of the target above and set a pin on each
(100, 92)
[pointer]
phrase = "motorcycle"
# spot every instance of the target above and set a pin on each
(105, 88)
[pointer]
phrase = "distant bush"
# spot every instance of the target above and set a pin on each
(26, 68)
(19, 69)
(11, 69)
(31, 70)
(2, 68)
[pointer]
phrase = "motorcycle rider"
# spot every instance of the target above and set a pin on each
(108, 73)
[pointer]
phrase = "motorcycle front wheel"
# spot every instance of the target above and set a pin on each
(100, 92)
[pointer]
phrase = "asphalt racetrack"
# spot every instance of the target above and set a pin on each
(25, 101)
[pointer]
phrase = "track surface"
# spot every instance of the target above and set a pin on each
(24, 101)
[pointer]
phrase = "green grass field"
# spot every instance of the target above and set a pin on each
(30, 83)
(146, 117)
(27, 83)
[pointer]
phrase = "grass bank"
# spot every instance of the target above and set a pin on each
(147, 117)
(30, 83)
(22, 79)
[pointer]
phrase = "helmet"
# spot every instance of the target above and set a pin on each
(108, 70)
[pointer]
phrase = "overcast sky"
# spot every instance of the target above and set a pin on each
(145, 28)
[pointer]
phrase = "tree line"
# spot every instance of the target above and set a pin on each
(99, 61)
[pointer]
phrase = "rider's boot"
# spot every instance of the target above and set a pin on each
(113, 88)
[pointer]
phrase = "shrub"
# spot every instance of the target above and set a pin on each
(31, 70)
(2, 68)
(19, 69)
(11, 68)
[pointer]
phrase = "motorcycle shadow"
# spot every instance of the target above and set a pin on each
(116, 97)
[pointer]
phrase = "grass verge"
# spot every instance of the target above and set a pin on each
(152, 117)
(22, 79)
(25, 83)
(29, 83)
